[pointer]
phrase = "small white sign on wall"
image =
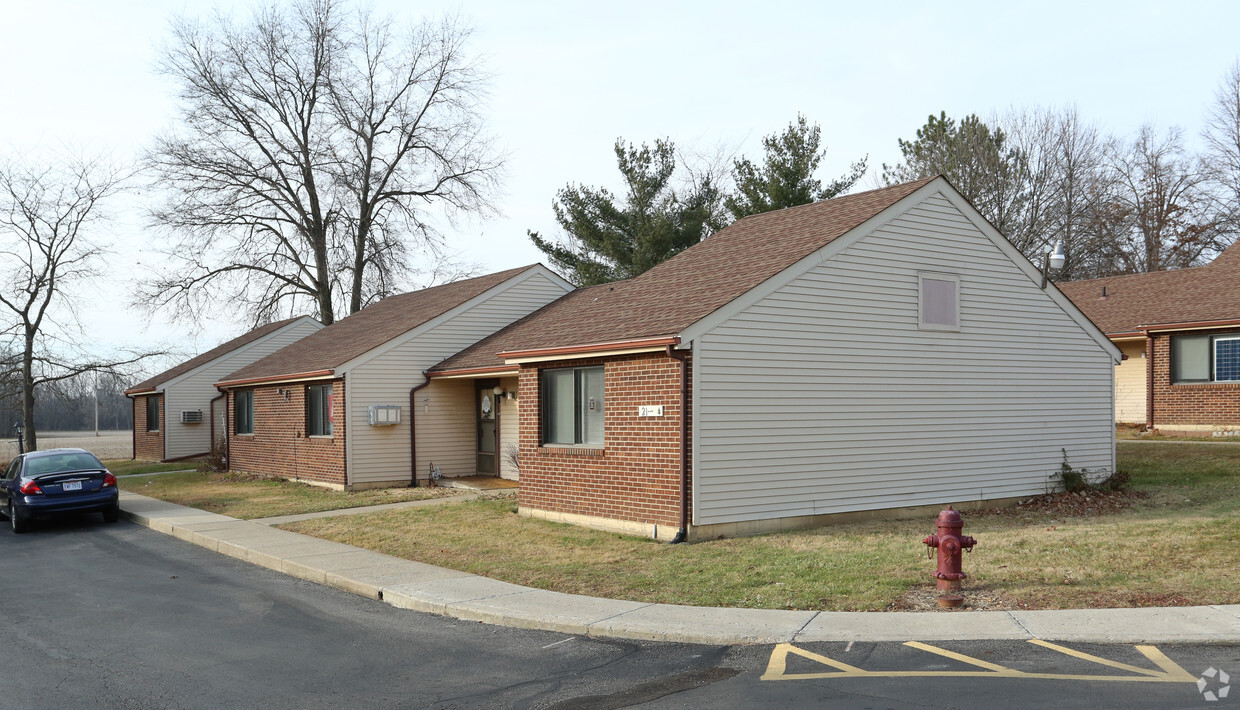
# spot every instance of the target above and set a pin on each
(650, 410)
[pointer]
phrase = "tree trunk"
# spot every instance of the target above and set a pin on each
(323, 277)
(359, 264)
(28, 392)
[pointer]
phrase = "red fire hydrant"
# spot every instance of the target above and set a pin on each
(950, 543)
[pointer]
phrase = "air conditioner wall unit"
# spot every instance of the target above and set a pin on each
(383, 414)
(191, 416)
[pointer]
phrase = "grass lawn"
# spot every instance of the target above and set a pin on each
(124, 467)
(1175, 547)
(248, 497)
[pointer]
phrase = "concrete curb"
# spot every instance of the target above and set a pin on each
(412, 585)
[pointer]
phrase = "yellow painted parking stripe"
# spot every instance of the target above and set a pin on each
(777, 667)
(1095, 659)
(1172, 669)
(963, 658)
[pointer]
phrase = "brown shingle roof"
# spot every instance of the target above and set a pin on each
(688, 287)
(1193, 295)
(369, 328)
(208, 356)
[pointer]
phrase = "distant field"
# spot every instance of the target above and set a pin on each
(108, 445)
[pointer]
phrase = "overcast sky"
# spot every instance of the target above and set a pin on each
(572, 77)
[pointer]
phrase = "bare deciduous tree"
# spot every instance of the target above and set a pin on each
(1163, 215)
(48, 206)
(1222, 141)
(1065, 181)
(312, 144)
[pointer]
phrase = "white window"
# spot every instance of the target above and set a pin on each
(152, 412)
(243, 412)
(572, 400)
(938, 301)
(1205, 358)
(319, 410)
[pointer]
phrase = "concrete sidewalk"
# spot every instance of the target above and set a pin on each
(413, 585)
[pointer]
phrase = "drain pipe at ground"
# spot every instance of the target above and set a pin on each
(683, 357)
(413, 433)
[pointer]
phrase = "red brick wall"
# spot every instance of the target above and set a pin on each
(636, 475)
(279, 445)
(148, 445)
(1209, 404)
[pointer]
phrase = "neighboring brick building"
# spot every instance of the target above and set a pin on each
(637, 476)
(883, 350)
(189, 411)
(148, 427)
(279, 444)
(334, 408)
(1180, 334)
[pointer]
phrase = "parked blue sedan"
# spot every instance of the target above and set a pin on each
(57, 481)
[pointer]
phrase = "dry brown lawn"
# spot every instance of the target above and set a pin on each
(1172, 541)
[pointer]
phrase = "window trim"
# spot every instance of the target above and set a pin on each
(248, 395)
(579, 434)
(922, 277)
(327, 401)
(1214, 340)
(1211, 359)
(152, 399)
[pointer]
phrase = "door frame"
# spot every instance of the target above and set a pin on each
(479, 387)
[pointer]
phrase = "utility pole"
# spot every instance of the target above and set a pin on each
(96, 403)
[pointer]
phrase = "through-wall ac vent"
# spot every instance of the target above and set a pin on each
(191, 416)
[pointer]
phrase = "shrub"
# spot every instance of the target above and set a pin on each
(1076, 480)
(215, 461)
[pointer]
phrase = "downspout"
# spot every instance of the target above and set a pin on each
(211, 413)
(1149, 385)
(683, 357)
(133, 428)
(413, 433)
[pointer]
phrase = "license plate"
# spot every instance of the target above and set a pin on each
(72, 486)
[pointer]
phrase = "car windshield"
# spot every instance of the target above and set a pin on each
(60, 463)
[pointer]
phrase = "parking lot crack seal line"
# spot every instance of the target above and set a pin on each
(1022, 626)
(1225, 612)
(613, 616)
(796, 634)
(489, 596)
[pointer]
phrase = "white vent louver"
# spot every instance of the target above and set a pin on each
(384, 414)
(191, 416)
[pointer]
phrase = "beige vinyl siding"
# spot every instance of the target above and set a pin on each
(826, 397)
(446, 434)
(1131, 384)
(509, 431)
(447, 431)
(196, 388)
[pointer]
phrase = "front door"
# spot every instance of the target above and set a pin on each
(488, 429)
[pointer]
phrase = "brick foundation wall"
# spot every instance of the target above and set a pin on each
(148, 445)
(1209, 404)
(279, 445)
(636, 475)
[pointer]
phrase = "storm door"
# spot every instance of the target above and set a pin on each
(488, 429)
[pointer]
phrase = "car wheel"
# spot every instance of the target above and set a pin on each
(111, 515)
(18, 520)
